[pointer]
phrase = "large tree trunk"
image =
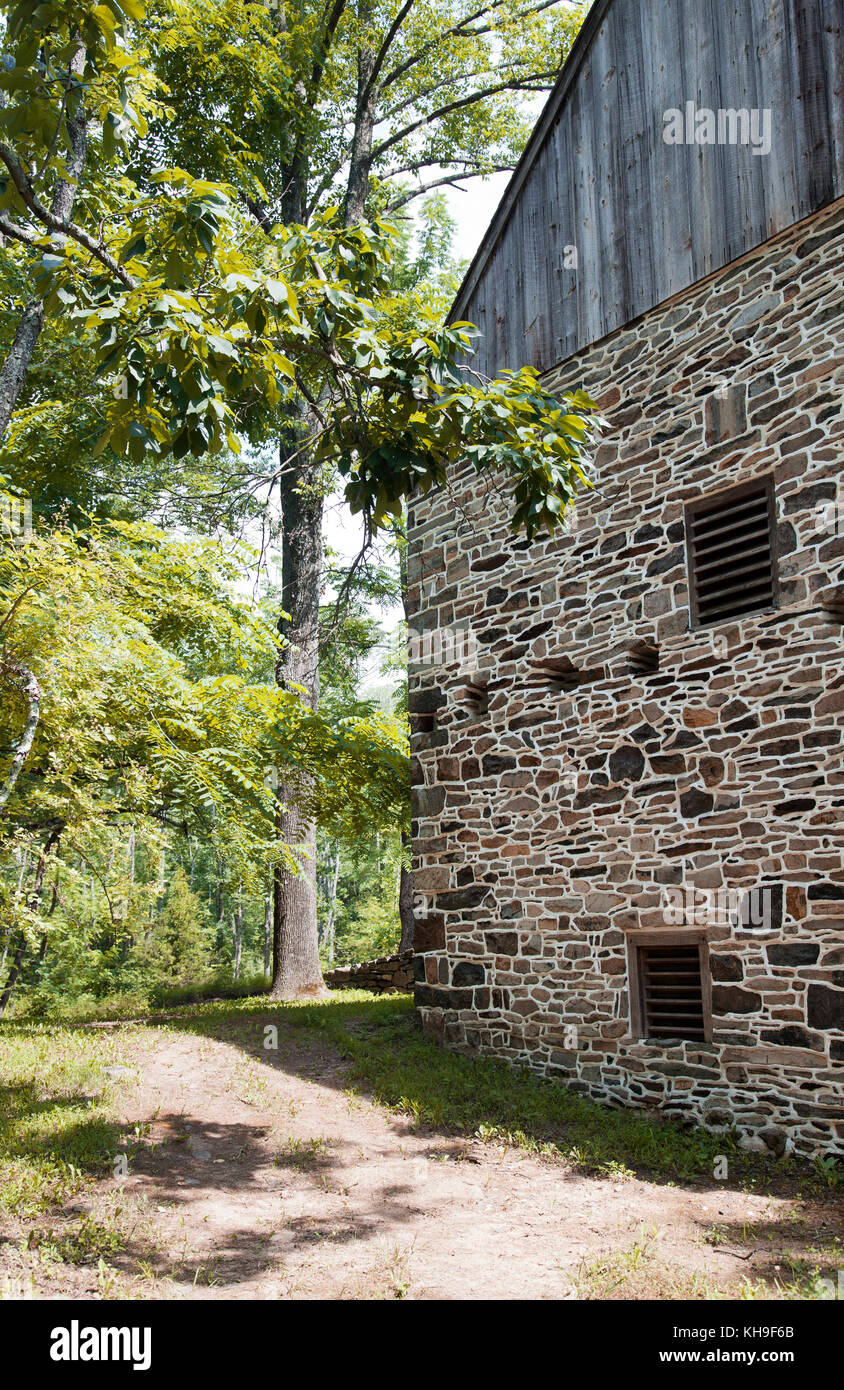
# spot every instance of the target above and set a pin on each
(360, 158)
(296, 968)
(406, 878)
(22, 859)
(330, 932)
(14, 369)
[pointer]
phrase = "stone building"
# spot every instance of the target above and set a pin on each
(627, 739)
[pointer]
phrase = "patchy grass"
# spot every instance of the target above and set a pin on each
(640, 1271)
(493, 1101)
(798, 1260)
(54, 1125)
(306, 1155)
(635, 1271)
(86, 1242)
(57, 1133)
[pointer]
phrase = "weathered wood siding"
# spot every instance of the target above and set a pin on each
(647, 218)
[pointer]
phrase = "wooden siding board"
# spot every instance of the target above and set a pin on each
(650, 219)
(676, 233)
(599, 255)
(584, 186)
(809, 81)
(535, 210)
(730, 85)
(782, 193)
(637, 203)
(832, 43)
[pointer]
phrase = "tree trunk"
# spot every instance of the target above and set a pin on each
(25, 681)
(42, 949)
(405, 899)
(296, 968)
(268, 934)
(360, 157)
(331, 919)
(238, 933)
(14, 369)
(406, 876)
(34, 903)
(23, 862)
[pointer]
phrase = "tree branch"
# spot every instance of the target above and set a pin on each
(62, 225)
(381, 55)
(455, 180)
(460, 30)
(9, 229)
(457, 105)
(452, 32)
(486, 71)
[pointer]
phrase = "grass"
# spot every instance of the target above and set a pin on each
(86, 1242)
(638, 1271)
(306, 1155)
(406, 1072)
(57, 1131)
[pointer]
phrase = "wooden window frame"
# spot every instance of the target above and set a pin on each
(667, 936)
(702, 504)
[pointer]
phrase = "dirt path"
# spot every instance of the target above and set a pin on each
(261, 1177)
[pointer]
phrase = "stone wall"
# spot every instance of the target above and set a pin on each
(387, 975)
(565, 793)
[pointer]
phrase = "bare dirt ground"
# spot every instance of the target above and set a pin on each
(259, 1175)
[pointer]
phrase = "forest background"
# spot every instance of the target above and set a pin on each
(226, 263)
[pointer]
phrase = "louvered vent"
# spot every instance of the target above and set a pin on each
(672, 992)
(732, 567)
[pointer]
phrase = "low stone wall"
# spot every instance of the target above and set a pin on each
(387, 975)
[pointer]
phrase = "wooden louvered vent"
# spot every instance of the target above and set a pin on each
(672, 992)
(732, 564)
